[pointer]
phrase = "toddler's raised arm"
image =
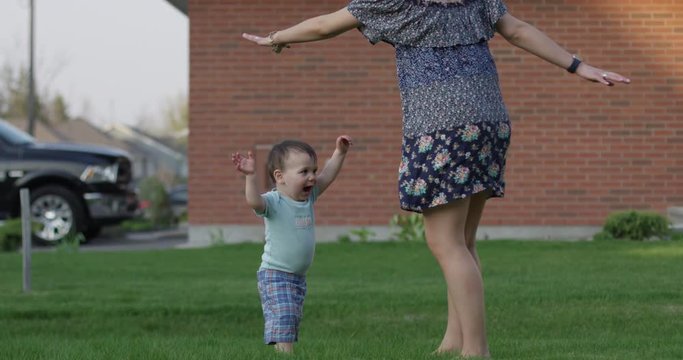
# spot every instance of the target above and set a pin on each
(247, 166)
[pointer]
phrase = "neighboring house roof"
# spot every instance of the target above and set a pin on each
(74, 131)
(163, 155)
(172, 142)
(143, 140)
(136, 142)
(181, 5)
(41, 132)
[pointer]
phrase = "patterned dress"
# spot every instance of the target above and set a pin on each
(456, 129)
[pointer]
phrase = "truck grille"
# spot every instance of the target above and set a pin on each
(125, 174)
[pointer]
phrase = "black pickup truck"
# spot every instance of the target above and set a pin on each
(73, 188)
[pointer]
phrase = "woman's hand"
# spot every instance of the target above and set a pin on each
(265, 41)
(604, 77)
(343, 143)
(313, 29)
(245, 165)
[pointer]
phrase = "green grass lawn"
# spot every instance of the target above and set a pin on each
(545, 300)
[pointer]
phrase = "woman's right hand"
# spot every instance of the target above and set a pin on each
(265, 41)
(244, 164)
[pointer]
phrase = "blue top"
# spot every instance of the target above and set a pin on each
(426, 23)
(446, 74)
(290, 232)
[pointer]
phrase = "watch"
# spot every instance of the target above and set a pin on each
(575, 64)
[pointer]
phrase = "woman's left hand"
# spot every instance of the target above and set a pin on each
(604, 77)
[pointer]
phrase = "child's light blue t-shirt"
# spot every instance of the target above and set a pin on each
(290, 233)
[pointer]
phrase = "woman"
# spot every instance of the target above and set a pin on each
(456, 128)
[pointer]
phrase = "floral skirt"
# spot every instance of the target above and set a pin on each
(446, 165)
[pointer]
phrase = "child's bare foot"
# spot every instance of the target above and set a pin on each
(286, 348)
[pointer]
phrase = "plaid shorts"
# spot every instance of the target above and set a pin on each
(282, 299)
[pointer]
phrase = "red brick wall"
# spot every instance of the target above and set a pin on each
(579, 150)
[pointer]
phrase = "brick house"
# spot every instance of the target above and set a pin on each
(579, 151)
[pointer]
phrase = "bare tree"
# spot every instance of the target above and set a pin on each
(58, 110)
(14, 93)
(14, 98)
(175, 114)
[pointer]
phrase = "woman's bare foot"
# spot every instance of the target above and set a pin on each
(441, 350)
(486, 355)
(448, 346)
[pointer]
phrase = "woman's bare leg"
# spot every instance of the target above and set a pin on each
(445, 230)
(452, 339)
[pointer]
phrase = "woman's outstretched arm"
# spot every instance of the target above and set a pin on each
(313, 29)
(527, 37)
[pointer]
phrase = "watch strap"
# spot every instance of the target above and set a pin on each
(575, 64)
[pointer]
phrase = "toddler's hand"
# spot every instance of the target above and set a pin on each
(343, 143)
(245, 165)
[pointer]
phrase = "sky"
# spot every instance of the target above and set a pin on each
(114, 61)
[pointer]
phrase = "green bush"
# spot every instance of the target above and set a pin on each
(344, 238)
(71, 243)
(137, 224)
(635, 225)
(158, 211)
(10, 235)
(410, 227)
(603, 235)
(357, 235)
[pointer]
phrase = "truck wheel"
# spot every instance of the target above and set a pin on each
(57, 213)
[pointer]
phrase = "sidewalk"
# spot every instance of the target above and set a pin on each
(143, 240)
(179, 232)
